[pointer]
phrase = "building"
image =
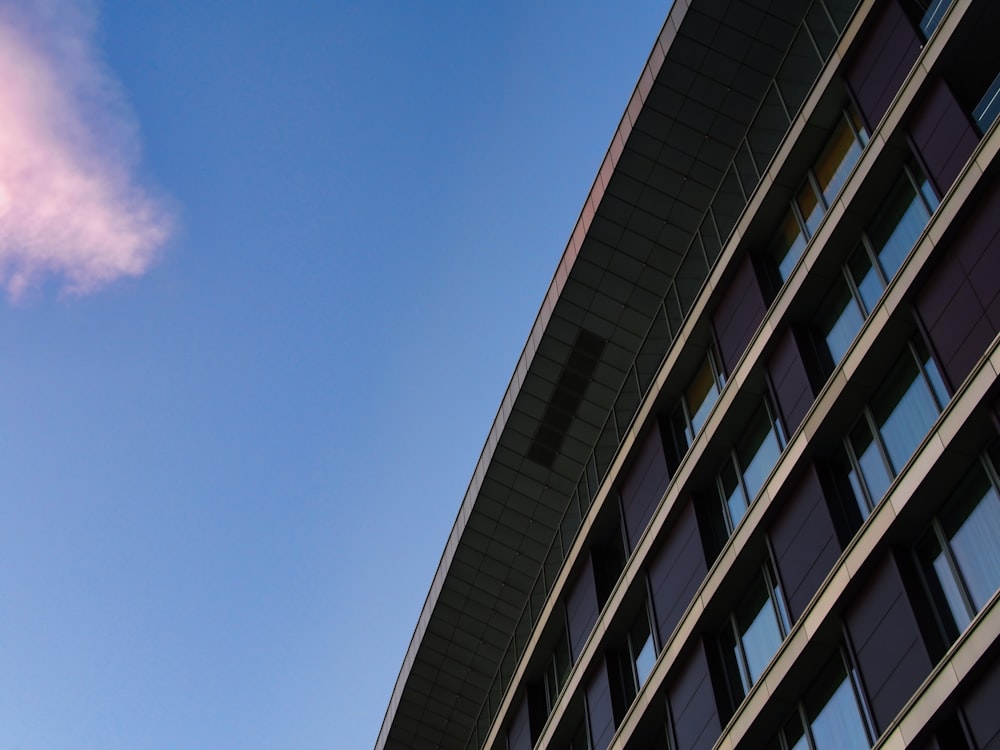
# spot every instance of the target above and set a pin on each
(742, 490)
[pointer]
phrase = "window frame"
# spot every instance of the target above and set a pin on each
(867, 502)
(733, 463)
(740, 684)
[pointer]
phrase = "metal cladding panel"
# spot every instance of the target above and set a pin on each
(600, 713)
(882, 60)
(692, 703)
(643, 486)
(804, 541)
(790, 381)
(889, 648)
(738, 314)
(980, 707)
(943, 135)
(581, 606)
(959, 304)
(676, 570)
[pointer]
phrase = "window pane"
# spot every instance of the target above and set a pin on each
(701, 396)
(810, 207)
(838, 725)
(758, 451)
(945, 588)
(759, 627)
(973, 530)
(866, 278)
(840, 320)
(643, 650)
(933, 15)
(837, 160)
(989, 106)
(897, 226)
(788, 245)
(875, 474)
(732, 496)
(904, 410)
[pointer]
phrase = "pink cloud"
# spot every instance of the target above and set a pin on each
(70, 206)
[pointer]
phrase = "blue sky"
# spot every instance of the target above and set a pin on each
(247, 371)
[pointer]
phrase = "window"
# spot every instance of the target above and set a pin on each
(748, 466)
(635, 660)
(696, 403)
(818, 190)
(933, 12)
(959, 555)
(831, 716)
(893, 425)
(753, 633)
(556, 671)
(989, 107)
(884, 245)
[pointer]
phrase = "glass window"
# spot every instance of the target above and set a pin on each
(831, 716)
(933, 13)
(696, 404)
(839, 320)
(744, 474)
(989, 106)
(840, 155)
(788, 245)
(898, 224)
(818, 190)
(960, 554)
(753, 634)
(893, 424)
(557, 671)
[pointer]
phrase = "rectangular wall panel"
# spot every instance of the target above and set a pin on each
(519, 731)
(692, 703)
(943, 135)
(644, 484)
(790, 381)
(981, 705)
(804, 541)
(959, 304)
(676, 569)
(600, 714)
(881, 60)
(581, 606)
(738, 315)
(891, 654)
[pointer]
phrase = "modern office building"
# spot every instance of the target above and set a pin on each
(742, 490)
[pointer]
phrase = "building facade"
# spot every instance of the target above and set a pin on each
(743, 490)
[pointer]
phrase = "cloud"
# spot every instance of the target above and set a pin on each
(71, 208)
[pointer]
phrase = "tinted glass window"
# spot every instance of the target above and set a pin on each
(898, 225)
(839, 320)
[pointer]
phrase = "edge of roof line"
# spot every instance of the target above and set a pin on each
(650, 70)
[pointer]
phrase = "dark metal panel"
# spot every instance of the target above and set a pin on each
(882, 59)
(600, 714)
(790, 381)
(519, 731)
(581, 606)
(739, 313)
(692, 703)
(891, 654)
(644, 484)
(804, 541)
(942, 135)
(957, 304)
(676, 569)
(980, 707)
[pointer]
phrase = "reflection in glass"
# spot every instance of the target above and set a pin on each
(904, 411)
(898, 225)
(754, 633)
(831, 716)
(839, 320)
(788, 245)
(838, 158)
(960, 553)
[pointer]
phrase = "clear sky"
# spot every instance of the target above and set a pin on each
(266, 269)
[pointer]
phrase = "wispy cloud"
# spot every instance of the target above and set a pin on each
(70, 205)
